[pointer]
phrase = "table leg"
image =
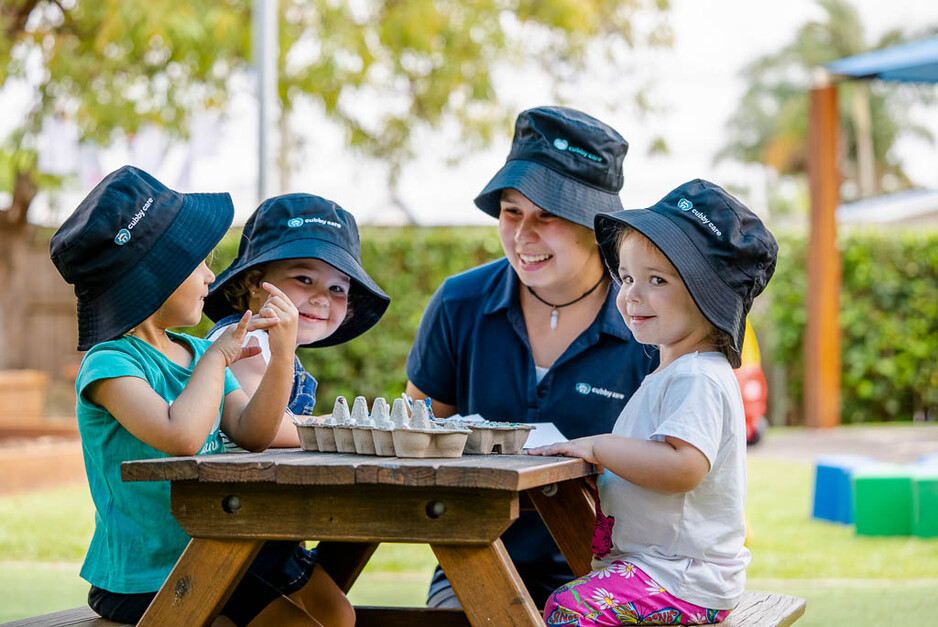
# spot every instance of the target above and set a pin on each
(569, 513)
(344, 561)
(201, 582)
(487, 585)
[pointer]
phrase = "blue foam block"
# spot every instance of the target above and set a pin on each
(833, 493)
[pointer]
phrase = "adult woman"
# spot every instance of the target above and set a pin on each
(535, 336)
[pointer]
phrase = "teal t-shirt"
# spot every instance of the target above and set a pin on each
(136, 540)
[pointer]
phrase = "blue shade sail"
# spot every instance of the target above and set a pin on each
(915, 62)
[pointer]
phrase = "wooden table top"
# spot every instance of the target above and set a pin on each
(297, 467)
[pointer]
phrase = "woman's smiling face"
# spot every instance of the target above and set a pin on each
(545, 250)
(319, 291)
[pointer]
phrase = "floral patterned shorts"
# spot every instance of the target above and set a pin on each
(622, 594)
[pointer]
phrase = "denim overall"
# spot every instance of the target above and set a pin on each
(285, 565)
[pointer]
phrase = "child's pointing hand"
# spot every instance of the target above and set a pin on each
(279, 307)
(230, 344)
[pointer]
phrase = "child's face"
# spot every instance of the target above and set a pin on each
(183, 308)
(319, 291)
(655, 304)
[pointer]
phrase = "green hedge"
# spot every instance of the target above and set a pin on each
(889, 322)
(889, 306)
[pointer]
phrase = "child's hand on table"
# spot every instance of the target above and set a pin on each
(580, 447)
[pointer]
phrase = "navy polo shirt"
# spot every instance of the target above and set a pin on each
(472, 351)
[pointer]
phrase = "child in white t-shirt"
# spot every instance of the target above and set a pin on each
(668, 543)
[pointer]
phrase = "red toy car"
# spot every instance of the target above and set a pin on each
(753, 387)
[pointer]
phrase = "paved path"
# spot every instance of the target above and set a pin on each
(899, 444)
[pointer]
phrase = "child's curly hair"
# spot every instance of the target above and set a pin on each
(237, 291)
(721, 340)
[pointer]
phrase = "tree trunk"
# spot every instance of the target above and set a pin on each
(13, 246)
(13, 218)
(14, 239)
(863, 125)
(286, 147)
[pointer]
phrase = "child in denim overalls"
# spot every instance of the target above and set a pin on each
(308, 247)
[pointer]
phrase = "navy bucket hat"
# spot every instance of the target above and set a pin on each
(303, 226)
(565, 162)
(127, 247)
(722, 250)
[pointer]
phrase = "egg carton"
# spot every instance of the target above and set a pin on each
(488, 437)
(384, 432)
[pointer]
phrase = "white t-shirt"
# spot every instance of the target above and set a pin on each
(690, 543)
(259, 337)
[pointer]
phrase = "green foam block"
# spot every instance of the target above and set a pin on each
(925, 503)
(882, 500)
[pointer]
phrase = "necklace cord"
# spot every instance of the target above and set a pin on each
(575, 300)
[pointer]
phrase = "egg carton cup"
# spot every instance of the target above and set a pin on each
(306, 429)
(325, 438)
(429, 442)
(384, 442)
(500, 438)
(363, 440)
(344, 440)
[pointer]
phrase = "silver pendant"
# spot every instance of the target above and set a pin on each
(553, 318)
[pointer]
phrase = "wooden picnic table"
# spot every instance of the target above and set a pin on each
(230, 504)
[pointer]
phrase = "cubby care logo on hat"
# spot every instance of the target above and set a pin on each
(705, 220)
(564, 146)
(123, 236)
(297, 222)
(685, 205)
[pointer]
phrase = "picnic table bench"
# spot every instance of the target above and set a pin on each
(231, 504)
(756, 609)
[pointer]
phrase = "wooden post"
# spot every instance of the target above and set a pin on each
(568, 511)
(822, 300)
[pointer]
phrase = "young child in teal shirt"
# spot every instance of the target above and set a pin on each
(135, 252)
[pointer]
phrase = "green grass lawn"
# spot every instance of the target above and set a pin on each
(845, 578)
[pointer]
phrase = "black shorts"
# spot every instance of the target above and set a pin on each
(281, 568)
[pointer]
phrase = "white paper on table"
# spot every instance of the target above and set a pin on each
(469, 418)
(544, 433)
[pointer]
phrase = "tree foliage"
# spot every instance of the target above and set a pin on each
(770, 125)
(425, 62)
(112, 66)
(379, 68)
(888, 317)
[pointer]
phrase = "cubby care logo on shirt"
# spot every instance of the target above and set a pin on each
(586, 388)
